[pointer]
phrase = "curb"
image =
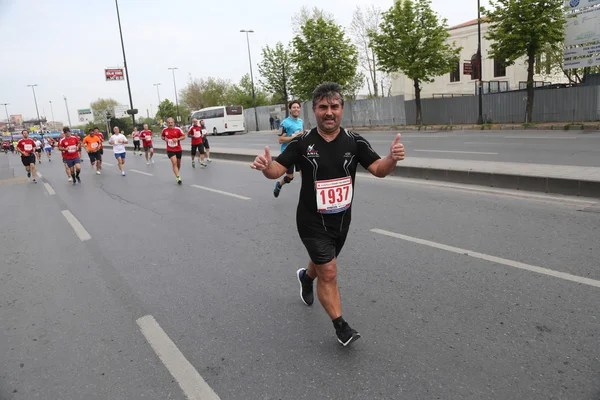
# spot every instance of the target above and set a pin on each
(550, 185)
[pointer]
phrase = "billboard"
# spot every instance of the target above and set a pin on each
(85, 115)
(577, 4)
(583, 28)
(114, 74)
(582, 63)
(120, 111)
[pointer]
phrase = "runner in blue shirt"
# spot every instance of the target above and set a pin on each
(292, 126)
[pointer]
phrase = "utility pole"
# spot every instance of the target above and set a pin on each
(247, 32)
(52, 111)
(36, 106)
(480, 64)
(67, 106)
(8, 119)
(176, 101)
(125, 63)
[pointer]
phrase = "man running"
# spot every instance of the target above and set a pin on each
(292, 126)
(205, 140)
(136, 141)
(93, 145)
(48, 145)
(26, 148)
(328, 155)
(63, 153)
(173, 136)
(38, 150)
(146, 136)
(71, 146)
(195, 133)
(118, 140)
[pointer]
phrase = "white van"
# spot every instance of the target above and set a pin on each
(221, 119)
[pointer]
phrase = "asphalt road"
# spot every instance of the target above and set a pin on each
(538, 147)
(217, 273)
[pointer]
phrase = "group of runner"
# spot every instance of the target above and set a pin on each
(71, 148)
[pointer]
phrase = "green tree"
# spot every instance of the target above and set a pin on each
(202, 93)
(323, 53)
(413, 40)
(276, 69)
(241, 94)
(166, 109)
(525, 28)
(100, 107)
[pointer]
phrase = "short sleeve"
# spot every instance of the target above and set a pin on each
(291, 155)
(366, 154)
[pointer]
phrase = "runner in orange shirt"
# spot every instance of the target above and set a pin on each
(93, 145)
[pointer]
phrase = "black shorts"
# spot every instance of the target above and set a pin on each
(290, 171)
(101, 151)
(323, 238)
(199, 148)
(136, 145)
(95, 156)
(28, 160)
(205, 143)
(38, 150)
(177, 154)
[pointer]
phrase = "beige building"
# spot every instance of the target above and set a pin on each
(496, 77)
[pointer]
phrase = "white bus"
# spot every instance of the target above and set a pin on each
(221, 119)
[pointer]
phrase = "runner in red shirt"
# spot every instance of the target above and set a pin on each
(26, 147)
(101, 136)
(146, 136)
(71, 146)
(195, 133)
(173, 136)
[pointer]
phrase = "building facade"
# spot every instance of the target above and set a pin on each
(463, 80)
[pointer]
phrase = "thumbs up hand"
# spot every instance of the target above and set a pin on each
(397, 151)
(262, 161)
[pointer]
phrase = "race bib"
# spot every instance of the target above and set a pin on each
(95, 145)
(197, 134)
(204, 131)
(27, 147)
(172, 143)
(72, 149)
(334, 195)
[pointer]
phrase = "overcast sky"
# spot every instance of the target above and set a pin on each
(64, 45)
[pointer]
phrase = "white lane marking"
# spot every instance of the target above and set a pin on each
(541, 137)
(457, 152)
(49, 189)
(141, 172)
(190, 381)
(498, 260)
(76, 225)
(472, 188)
(39, 175)
(237, 196)
(110, 165)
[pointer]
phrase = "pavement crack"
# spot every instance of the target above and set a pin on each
(117, 197)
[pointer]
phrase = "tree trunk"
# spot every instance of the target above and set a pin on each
(530, 91)
(285, 95)
(374, 67)
(418, 101)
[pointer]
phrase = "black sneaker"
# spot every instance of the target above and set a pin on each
(346, 334)
(306, 287)
(277, 189)
(79, 179)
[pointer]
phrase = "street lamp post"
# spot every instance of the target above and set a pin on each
(52, 111)
(7, 119)
(480, 66)
(36, 106)
(125, 64)
(247, 32)
(158, 92)
(67, 106)
(175, 87)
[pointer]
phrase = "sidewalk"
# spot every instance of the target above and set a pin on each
(558, 179)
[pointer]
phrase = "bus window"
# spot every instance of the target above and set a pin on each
(234, 110)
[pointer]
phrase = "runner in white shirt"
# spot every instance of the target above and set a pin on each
(48, 142)
(118, 140)
(38, 150)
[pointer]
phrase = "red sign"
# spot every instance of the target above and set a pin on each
(114, 74)
(467, 68)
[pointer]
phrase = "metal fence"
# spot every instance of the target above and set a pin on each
(575, 104)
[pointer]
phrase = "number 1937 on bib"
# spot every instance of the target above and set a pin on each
(334, 195)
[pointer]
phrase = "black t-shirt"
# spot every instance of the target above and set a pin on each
(320, 161)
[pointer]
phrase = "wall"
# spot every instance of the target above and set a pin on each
(550, 105)
(384, 111)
